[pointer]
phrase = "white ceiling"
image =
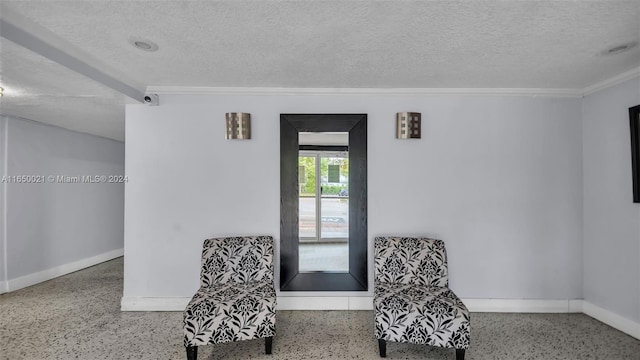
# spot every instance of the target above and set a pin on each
(305, 44)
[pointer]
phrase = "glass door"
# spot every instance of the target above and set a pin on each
(324, 211)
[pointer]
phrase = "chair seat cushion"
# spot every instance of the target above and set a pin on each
(230, 312)
(420, 315)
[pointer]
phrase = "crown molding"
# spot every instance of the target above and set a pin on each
(275, 91)
(272, 91)
(611, 81)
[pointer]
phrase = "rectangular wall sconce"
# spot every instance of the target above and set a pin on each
(238, 126)
(408, 125)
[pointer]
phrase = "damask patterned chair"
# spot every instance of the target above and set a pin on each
(412, 301)
(237, 299)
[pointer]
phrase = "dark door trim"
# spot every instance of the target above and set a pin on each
(290, 278)
(634, 119)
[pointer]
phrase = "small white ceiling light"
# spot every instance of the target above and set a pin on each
(619, 48)
(143, 44)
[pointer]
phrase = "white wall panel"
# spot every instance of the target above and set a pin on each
(499, 178)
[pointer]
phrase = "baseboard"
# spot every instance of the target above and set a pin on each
(366, 303)
(325, 303)
(41, 276)
(523, 305)
(284, 303)
(3, 287)
(474, 305)
(154, 303)
(363, 303)
(612, 319)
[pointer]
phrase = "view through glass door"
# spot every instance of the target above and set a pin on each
(324, 211)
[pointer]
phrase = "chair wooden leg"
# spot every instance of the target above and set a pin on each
(192, 352)
(459, 354)
(382, 344)
(268, 341)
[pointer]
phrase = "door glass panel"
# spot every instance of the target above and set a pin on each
(335, 198)
(324, 211)
(307, 203)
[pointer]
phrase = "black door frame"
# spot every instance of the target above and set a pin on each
(290, 277)
(634, 119)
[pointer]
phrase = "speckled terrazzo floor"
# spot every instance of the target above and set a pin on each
(78, 316)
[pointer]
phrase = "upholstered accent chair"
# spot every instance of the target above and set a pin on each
(236, 299)
(412, 301)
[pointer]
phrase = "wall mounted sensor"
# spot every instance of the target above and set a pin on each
(152, 99)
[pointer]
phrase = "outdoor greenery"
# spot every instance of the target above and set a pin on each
(308, 184)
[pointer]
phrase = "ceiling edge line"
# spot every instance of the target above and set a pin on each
(22, 118)
(266, 91)
(628, 75)
(23, 38)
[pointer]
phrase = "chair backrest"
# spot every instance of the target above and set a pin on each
(239, 260)
(410, 260)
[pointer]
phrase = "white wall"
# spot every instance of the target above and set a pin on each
(611, 219)
(499, 178)
(53, 227)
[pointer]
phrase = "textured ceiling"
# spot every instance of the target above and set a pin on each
(39, 89)
(339, 44)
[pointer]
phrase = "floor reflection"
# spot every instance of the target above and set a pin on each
(324, 257)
